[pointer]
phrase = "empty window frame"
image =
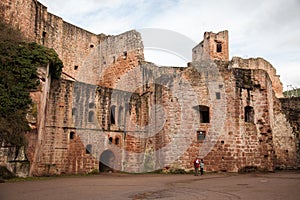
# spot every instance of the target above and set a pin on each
(110, 140)
(204, 114)
(249, 114)
(72, 135)
(117, 141)
(219, 47)
(112, 115)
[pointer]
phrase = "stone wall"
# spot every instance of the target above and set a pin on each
(290, 108)
(111, 110)
(260, 63)
(21, 14)
(214, 46)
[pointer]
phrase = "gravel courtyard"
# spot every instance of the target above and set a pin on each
(279, 185)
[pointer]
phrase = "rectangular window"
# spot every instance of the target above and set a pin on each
(218, 95)
(219, 47)
(204, 114)
(112, 114)
(201, 135)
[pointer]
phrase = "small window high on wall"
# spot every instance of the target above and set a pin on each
(249, 114)
(204, 114)
(219, 47)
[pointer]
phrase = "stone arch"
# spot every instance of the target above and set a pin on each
(107, 160)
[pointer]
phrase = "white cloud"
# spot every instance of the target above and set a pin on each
(268, 29)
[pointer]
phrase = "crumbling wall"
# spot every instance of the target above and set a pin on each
(214, 46)
(260, 63)
(110, 102)
(289, 109)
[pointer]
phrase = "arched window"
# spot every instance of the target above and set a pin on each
(91, 116)
(88, 149)
(204, 114)
(112, 115)
(249, 114)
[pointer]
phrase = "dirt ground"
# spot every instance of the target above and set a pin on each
(254, 186)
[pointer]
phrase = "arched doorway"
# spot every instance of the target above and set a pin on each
(106, 162)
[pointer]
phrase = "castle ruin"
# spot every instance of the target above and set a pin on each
(112, 110)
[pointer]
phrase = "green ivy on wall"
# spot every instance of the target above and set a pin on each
(19, 61)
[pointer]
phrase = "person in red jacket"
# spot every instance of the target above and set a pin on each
(196, 166)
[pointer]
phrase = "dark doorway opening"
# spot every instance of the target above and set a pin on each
(106, 163)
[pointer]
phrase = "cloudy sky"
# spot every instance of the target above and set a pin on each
(257, 28)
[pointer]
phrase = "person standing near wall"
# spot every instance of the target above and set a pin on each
(196, 166)
(201, 167)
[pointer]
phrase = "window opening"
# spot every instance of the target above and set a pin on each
(125, 55)
(219, 47)
(201, 135)
(88, 149)
(117, 141)
(249, 114)
(204, 114)
(110, 140)
(91, 116)
(112, 115)
(72, 135)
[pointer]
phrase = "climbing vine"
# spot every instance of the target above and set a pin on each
(19, 61)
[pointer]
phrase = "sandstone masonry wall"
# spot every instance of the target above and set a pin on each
(113, 111)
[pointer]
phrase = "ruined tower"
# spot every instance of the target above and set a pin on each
(214, 46)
